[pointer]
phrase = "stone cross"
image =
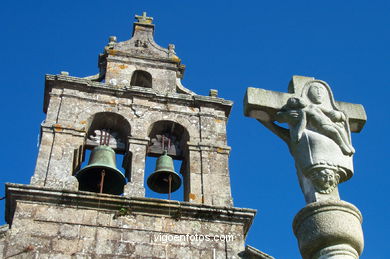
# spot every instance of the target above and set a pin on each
(318, 135)
(144, 18)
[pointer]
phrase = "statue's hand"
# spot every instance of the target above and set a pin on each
(293, 113)
(289, 116)
(292, 117)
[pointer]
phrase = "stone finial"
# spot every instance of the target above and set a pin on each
(171, 48)
(64, 73)
(144, 19)
(112, 41)
(213, 93)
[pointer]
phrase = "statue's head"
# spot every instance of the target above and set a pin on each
(324, 178)
(316, 92)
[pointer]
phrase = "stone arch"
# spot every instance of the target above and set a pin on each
(176, 136)
(141, 78)
(116, 126)
(106, 142)
(182, 120)
(171, 137)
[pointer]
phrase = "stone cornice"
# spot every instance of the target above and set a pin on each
(202, 146)
(251, 252)
(165, 63)
(146, 206)
(86, 85)
(139, 141)
(58, 128)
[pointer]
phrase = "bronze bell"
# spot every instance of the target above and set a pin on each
(164, 179)
(101, 174)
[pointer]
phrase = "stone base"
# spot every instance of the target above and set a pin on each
(66, 183)
(48, 223)
(329, 229)
(338, 252)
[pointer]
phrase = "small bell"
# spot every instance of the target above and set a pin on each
(164, 179)
(101, 174)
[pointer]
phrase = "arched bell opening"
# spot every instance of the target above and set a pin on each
(165, 169)
(106, 163)
(141, 78)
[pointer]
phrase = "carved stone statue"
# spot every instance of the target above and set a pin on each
(318, 136)
(319, 139)
(316, 117)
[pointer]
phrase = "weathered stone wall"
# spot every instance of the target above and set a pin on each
(71, 109)
(163, 76)
(52, 226)
(71, 104)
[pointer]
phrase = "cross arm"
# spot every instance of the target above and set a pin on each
(356, 114)
(263, 105)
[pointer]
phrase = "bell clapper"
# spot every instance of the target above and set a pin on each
(170, 186)
(103, 173)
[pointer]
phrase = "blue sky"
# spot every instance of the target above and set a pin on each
(229, 46)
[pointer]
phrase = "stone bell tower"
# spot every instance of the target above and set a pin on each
(135, 107)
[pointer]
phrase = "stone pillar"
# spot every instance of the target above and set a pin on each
(216, 172)
(193, 179)
(46, 144)
(56, 154)
(329, 230)
(207, 167)
(135, 186)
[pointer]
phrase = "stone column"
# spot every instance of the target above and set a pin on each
(329, 229)
(135, 186)
(208, 166)
(41, 168)
(193, 179)
(215, 170)
(55, 160)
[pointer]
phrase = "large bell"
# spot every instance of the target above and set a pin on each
(159, 180)
(101, 174)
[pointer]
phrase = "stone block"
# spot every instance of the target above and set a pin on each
(90, 217)
(66, 246)
(87, 246)
(142, 250)
(103, 218)
(87, 232)
(25, 210)
(21, 245)
(68, 231)
(108, 234)
(159, 251)
(59, 214)
(136, 236)
(104, 247)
